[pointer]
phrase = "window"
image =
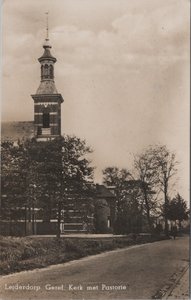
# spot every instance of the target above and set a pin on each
(46, 120)
(51, 72)
(46, 71)
(108, 222)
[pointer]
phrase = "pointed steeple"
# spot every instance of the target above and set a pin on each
(47, 46)
(47, 61)
(47, 33)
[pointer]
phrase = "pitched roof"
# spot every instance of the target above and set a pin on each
(17, 130)
(47, 87)
(103, 192)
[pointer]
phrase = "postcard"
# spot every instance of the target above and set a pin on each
(95, 149)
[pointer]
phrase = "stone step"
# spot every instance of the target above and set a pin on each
(74, 231)
(46, 131)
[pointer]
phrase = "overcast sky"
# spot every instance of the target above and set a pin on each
(122, 68)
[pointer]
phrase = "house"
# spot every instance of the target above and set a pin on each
(104, 209)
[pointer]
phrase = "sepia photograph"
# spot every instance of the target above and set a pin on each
(95, 145)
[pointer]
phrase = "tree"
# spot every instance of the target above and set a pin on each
(13, 180)
(53, 173)
(145, 168)
(112, 176)
(64, 171)
(130, 213)
(177, 209)
(128, 199)
(165, 164)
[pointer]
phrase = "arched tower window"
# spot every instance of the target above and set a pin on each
(51, 72)
(46, 71)
(41, 71)
(46, 120)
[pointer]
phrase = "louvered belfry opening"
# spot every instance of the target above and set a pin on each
(46, 120)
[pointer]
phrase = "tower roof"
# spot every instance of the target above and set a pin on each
(47, 87)
(47, 55)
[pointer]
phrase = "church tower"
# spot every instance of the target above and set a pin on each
(47, 101)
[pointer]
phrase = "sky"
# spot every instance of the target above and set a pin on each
(122, 68)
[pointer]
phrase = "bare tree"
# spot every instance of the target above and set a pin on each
(112, 176)
(145, 167)
(128, 205)
(165, 164)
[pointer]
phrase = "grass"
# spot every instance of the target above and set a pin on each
(24, 253)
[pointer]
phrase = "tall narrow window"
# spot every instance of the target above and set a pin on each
(46, 71)
(41, 72)
(51, 72)
(46, 120)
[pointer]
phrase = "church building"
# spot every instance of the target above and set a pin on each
(46, 127)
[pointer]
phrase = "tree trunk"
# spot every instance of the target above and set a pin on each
(147, 210)
(141, 219)
(59, 219)
(165, 209)
(25, 220)
(179, 224)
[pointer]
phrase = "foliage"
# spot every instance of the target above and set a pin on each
(53, 174)
(146, 172)
(46, 175)
(165, 164)
(177, 209)
(128, 199)
(13, 180)
(136, 199)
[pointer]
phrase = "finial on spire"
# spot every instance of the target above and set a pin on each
(47, 33)
(46, 43)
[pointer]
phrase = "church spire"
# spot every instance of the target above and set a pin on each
(46, 42)
(47, 33)
(47, 100)
(47, 61)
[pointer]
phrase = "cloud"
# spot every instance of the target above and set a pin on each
(123, 69)
(146, 34)
(159, 37)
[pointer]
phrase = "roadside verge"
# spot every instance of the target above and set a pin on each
(26, 253)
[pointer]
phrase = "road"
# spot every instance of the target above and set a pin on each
(137, 272)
